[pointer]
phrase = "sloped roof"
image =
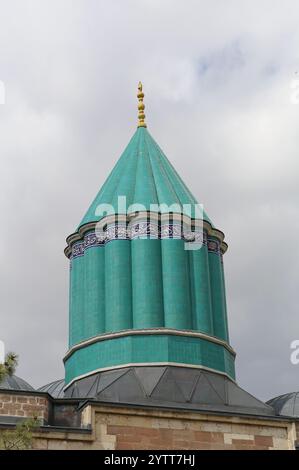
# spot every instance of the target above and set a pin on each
(145, 176)
(170, 387)
(55, 389)
(286, 405)
(12, 382)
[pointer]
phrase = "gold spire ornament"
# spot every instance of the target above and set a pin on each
(141, 115)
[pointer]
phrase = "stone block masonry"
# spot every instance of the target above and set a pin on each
(112, 427)
(24, 406)
(153, 429)
(128, 428)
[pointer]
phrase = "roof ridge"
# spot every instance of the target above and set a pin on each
(165, 161)
(132, 159)
(161, 166)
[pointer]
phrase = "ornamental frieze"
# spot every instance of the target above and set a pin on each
(143, 230)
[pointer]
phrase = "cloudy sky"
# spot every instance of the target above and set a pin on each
(218, 78)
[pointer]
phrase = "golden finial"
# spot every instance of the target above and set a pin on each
(141, 115)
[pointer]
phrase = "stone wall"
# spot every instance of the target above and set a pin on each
(118, 427)
(24, 405)
(134, 428)
(297, 434)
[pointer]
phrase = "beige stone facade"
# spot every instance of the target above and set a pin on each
(133, 428)
(112, 427)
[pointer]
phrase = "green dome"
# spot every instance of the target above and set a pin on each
(138, 296)
(144, 175)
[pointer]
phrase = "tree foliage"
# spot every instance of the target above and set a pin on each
(9, 365)
(21, 437)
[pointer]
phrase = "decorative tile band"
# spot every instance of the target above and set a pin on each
(214, 246)
(143, 230)
(147, 224)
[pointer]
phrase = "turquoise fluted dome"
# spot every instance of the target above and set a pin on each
(144, 175)
(138, 295)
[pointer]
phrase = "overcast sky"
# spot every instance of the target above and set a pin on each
(217, 78)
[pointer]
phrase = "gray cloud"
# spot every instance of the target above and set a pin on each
(217, 79)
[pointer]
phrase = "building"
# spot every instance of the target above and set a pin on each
(149, 363)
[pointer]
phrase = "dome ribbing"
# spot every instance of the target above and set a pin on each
(144, 175)
(138, 295)
(286, 405)
(12, 382)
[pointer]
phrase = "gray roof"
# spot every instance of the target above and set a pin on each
(55, 389)
(169, 386)
(286, 405)
(12, 382)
